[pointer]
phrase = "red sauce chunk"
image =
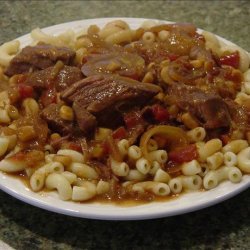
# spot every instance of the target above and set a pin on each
(160, 114)
(232, 60)
(184, 154)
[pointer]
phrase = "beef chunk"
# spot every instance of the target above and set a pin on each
(135, 132)
(66, 77)
(85, 120)
(124, 63)
(38, 57)
(55, 122)
(103, 96)
(208, 108)
(43, 78)
(214, 113)
(239, 115)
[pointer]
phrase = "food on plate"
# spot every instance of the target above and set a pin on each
(116, 113)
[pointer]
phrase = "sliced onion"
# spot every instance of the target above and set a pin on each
(176, 136)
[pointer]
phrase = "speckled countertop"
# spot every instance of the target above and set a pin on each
(223, 226)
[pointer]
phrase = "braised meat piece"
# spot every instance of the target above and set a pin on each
(115, 61)
(208, 108)
(52, 115)
(43, 78)
(239, 114)
(38, 57)
(85, 120)
(103, 96)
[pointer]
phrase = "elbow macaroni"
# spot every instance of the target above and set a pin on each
(243, 159)
(214, 177)
(119, 168)
(157, 188)
(86, 191)
(7, 51)
(209, 148)
(191, 168)
(59, 182)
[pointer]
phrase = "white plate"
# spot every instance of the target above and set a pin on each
(183, 204)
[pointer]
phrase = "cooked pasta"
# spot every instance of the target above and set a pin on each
(102, 187)
(243, 159)
(134, 152)
(143, 165)
(230, 159)
(135, 175)
(12, 166)
(86, 191)
(69, 176)
(7, 52)
(197, 134)
(216, 160)
(191, 168)
(214, 177)
(175, 185)
(235, 146)
(38, 177)
(59, 182)
(4, 144)
(193, 182)
(157, 188)
(123, 146)
(119, 168)
(159, 156)
(209, 148)
(212, 41)
(83, 170)
(74, 155)
(162, 176)
(155, 165)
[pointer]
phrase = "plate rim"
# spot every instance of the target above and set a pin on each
(32, 200)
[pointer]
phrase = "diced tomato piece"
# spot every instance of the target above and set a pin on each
(185, 154)
(232, 60)
(160, 113)
(75, 146)
(120, 133)
(131, 119)
(225, 139)
(161, 141)
(106, 149)
(48, 97)
(25, 91)
(172, 57)
(234, 75)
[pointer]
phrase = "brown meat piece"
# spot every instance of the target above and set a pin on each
(85, 120)
(55, 122)
(208, 108)
(104, 96)
(239, 115)
(124, 64)
(43, 78)
(135, 132)
(39, 57)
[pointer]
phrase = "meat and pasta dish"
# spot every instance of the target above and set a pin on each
(116, 113)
